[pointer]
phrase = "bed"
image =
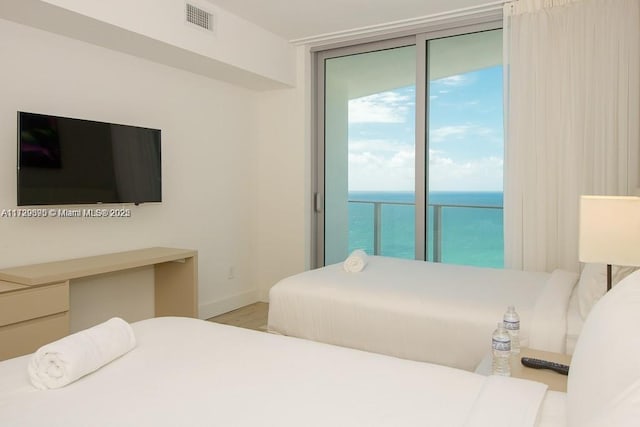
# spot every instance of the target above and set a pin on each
(196, 373)
(424, 311)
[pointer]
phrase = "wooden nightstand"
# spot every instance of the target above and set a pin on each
(555, 381)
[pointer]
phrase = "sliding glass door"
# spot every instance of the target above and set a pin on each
(410, 166)
(465, 155)
(369, 148)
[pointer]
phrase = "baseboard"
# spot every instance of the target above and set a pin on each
(213, 308)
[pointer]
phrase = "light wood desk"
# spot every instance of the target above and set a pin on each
(34, 299)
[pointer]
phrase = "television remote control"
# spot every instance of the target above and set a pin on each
(530, 362)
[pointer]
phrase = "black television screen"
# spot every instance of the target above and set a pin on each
(64, 161)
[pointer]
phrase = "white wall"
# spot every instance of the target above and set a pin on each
(235, 41)
(209, 149)
(237, 51)
(283, 225)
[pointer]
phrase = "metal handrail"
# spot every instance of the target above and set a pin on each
(437, 222)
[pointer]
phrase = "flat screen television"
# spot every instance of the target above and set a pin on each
(64, 161)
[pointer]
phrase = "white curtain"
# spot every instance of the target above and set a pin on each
(572, 123)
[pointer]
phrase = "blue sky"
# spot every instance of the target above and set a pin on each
(465, 134)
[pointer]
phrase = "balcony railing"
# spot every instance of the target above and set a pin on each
(435, 224)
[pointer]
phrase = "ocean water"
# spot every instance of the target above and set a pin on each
(469, 235)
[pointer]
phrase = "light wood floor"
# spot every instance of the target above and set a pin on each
(252, 316)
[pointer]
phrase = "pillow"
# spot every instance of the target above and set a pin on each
(593, 284)
(604, 379)
(625, 411)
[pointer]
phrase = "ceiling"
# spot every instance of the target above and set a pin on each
(300, 19)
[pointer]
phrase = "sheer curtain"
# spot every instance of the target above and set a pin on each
(572, 123)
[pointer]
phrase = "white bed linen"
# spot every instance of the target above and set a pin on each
(555, 409)
(574, 322)
(190, 372)
(550, 313)
(416, 310)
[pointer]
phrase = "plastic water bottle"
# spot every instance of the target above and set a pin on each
(501, 351)
(512, 325)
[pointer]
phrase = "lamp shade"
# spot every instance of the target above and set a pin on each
(610, 230)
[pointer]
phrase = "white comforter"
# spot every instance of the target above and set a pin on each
(419, 310)
(188, 372)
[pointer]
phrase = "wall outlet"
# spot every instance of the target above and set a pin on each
(230, 275)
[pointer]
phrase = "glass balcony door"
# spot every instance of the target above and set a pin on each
(369, 153)
(465, 149)
(411, 166)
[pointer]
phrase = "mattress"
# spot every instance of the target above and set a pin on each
(422, 311)
(196, 373)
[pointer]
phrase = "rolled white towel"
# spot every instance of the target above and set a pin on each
(356, 262)
(61, 362)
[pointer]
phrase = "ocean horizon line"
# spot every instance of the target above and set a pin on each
(471, 198)
(433, 191)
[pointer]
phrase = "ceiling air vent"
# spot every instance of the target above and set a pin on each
(199, 17)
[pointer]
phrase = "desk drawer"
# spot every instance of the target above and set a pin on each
(25, 304)
(26, 337)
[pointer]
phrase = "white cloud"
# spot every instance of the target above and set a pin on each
(403, 159)
(457, 80)
(447, 133)
(379, 165)
(437, 159)
(385, 107)
(444, 132)
(482, 174)
(378, 145)
(366, 160)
